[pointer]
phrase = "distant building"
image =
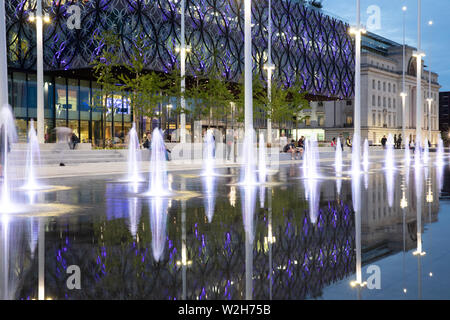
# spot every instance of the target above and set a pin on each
(444, 114)
(381, 104)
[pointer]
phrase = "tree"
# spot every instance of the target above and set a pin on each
(105, 67)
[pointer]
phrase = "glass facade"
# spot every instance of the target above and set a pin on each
(69, 102)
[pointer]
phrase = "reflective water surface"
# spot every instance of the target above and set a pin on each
(215, 239)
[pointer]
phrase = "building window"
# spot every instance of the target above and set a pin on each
(389, 102)
(394, 88)
(379, 85)
(394, 103)
(373, 84)
(389, 87)
(379, 101)
(384, 86)
(373, 119)
(384, 102)
(373, 101)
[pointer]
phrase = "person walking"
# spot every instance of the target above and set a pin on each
(333, 142)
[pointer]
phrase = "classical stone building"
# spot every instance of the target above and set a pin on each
(381, 103)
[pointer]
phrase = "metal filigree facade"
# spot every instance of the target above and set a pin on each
(304, 41)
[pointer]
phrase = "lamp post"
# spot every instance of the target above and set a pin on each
(3, 58)
(39, 19)
(357, 31)
(248, 99)
(269, 67)
(419, 54)
(403, 94)
(183, 72)
(430, 99)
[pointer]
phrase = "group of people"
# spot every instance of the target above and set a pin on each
(296, 149)
(348, 142)
(397, 141)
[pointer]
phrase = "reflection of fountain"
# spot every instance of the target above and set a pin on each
(209, 147)
(158, 171)
(311, 159)
(312, 194)
(209, 186)
(33, 160)
(158, 220)
(134, 215)
(389, 166)
(33, 236)
(7, 136)
(338, 165)
(248, 195)
(133, 160)
(426, 152)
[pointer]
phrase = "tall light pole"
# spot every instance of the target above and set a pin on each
(404, 94)
(3, 58)
(248, 98)
(419, 54)
(39, 19)
(183, 73)
(357, 31)
(430, 99)
(270, 67)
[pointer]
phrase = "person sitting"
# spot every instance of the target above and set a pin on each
(292, 149)
(348, 142)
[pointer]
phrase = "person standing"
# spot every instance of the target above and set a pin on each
(399, 141)
(395, 141)
(383, 142)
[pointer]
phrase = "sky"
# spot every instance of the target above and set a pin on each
(435, 38)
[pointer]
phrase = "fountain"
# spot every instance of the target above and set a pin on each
(33, 160)
(134, 158)
(366, 156)
(262, 168)
(8, 135)
(356, 155)
(158, 172)
(158, 220)
(311, 159)
(440, 153)
(417, 153)
(209, 147)
(407, 153)
(426, 153)
(248, 169)
(389, 166)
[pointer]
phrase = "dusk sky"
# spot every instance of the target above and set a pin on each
(435, 39)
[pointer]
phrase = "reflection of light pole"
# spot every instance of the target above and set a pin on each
(404, 205)
(248, 66)
(270, 67)
(403, 94)
(430, 201)
(3, 58)
(39, 69)
(419, 54)
(41, 260)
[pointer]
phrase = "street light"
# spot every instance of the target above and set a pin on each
(269, 67)
(430, 99)
(248, 98)
(404, 94)
(419, 54)
(3, 58)
(38, 19)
